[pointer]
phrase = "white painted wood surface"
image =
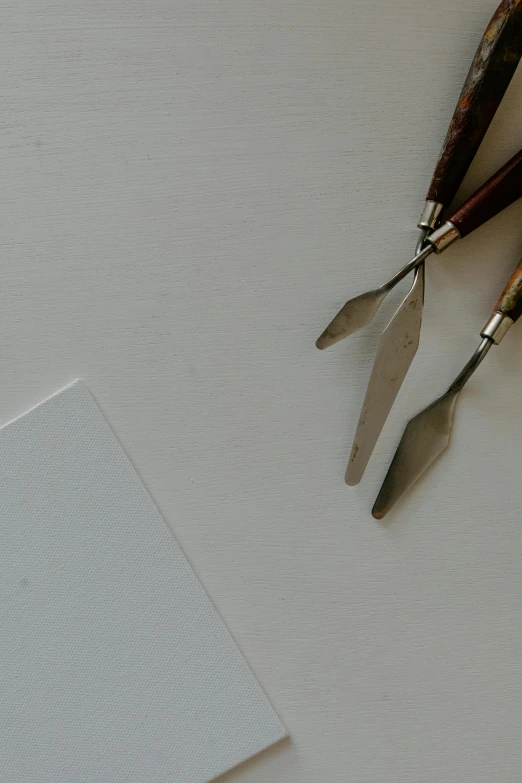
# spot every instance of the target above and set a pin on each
(191, 188)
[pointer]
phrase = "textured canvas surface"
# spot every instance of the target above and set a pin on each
(114, 665)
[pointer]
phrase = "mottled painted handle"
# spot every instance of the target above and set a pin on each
(496, 194)
(491, 72)
(510, 303)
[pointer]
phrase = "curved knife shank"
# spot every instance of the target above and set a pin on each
(495, 195)
(510, 303)
(492, 69)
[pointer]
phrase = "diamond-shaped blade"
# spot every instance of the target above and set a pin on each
(354, 315)
(425, 438)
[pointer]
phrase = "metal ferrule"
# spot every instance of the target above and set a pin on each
(443, 237)
(430, 215)
(497, 327)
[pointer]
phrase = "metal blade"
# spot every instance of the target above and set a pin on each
(397, 348)
(359, 311)
(354, 315)
(425, 438)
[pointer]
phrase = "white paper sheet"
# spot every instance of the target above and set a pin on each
(114, 665)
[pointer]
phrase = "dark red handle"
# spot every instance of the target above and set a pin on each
(496, 194)
(510, 303)
(491, 72)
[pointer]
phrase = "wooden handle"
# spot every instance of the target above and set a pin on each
(496, 194)
(510, 303)
(492, 69)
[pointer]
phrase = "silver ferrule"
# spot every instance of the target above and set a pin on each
(497, 327)
(430, 215)
(443, 237)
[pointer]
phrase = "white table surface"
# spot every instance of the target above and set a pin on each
(191, 188)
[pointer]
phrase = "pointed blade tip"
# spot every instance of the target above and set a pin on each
(378, 513)
(353, 474)
(386, 499)
(327, 339)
